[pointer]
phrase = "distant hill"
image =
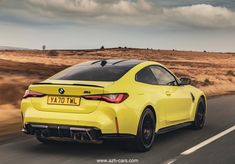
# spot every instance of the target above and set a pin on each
(12, 48)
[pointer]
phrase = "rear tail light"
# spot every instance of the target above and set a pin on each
(111, 98)
(29, 93)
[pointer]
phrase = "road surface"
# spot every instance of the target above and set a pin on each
(168, 148)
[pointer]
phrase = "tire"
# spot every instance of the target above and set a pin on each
(200, 115)
(145, 133)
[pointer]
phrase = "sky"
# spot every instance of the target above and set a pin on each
(86, 24)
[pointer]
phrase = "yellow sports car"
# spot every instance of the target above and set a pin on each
(112, 99)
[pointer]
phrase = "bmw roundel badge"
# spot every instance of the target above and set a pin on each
(61, 90)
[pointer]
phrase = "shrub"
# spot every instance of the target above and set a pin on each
(52, 53)
(207, 82)
(230, 73)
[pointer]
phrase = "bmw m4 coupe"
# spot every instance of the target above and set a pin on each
(130, 100)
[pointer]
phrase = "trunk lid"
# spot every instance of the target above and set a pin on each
(73, 92)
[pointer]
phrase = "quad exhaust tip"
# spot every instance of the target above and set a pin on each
(78, 134)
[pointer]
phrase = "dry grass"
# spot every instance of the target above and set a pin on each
(212, 72)
(10, 120)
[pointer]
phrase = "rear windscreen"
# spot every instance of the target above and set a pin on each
(94, 72)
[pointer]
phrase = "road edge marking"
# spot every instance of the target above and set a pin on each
(204, 143)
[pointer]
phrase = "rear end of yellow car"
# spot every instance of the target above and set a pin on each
(84, 102)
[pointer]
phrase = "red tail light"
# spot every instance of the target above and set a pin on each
(111, 98)
(29, 93)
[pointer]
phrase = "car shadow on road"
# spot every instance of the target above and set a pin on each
(107, 148)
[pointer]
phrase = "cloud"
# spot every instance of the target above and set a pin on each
(130, 12)
(124, 7)
(66, 5)
(201, 15)
(92, 7)
(129, 7)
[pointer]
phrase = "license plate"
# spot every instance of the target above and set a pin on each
(63, 100)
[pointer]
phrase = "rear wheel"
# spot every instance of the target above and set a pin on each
(200, 115)
(146, 132)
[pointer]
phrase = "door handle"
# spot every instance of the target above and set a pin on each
(168, 93)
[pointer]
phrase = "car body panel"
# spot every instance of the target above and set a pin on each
(172, 105)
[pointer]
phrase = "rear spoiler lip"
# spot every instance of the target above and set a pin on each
(88, 85)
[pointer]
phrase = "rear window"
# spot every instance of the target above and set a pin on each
(95, 71)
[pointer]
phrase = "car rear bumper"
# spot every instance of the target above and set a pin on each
(77, 133)
(109, 118)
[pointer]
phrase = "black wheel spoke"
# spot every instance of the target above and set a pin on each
(200, 115)
(148, 130)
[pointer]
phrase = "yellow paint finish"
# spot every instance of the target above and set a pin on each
(172, 104)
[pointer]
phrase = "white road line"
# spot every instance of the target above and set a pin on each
(204, 143)
(171, 161)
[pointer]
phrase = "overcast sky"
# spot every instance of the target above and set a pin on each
(81, 24)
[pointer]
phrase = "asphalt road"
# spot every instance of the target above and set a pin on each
(167, 147)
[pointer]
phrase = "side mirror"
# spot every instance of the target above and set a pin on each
(185, 81)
